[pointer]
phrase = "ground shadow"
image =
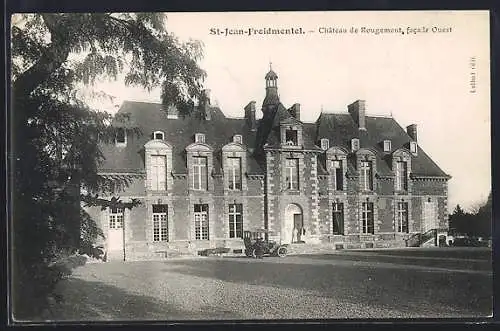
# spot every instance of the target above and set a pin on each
(447, 252)
(431, 294)
(95, 301)
(476, 263)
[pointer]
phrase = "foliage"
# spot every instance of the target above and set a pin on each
(476, 223)
(56, 135)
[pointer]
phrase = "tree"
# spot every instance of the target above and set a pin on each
(485, 218)
(477, 222)
(55, 135)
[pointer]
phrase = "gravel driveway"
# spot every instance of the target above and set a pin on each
(337, 286)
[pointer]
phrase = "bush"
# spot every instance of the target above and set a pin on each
(36, 283)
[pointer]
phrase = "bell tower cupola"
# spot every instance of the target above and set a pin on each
(272, 97)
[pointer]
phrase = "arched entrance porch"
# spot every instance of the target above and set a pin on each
(292, 224)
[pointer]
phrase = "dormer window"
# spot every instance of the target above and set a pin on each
(325, 144)
(121, 137)
(291, 137)
(387, 146)
(237, 138)
(413, 147)
(354, 144)
(158, 135)
(199, 138)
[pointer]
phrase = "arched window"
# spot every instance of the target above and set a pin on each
(354, 144)
(325, 144)
(237, 138)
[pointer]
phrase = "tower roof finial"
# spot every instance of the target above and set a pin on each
(271, 74)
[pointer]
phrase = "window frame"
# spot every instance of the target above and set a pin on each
(118, 131)
(157, 175)
(235, 210)
(413, 147)
(402, 225)
(355, 145)
(295, 137)
(199, 173)
(199, 138)
(366, 174)
(338, 173)
(367, 218)
(325, 144)
(201, 226)
(160, 225)
(238, 139)
(158, 132)
(338, 226)
(401, 179)
(234, 173)
(292, 170)
(116, 217)
(387, 146)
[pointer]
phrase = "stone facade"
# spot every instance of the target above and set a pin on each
(346, 181)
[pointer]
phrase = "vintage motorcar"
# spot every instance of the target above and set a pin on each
(258, 245)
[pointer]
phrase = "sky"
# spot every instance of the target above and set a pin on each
(419, 72)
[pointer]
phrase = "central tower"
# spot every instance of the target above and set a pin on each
(272, 97)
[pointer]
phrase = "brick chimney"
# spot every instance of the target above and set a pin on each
(250, 115)
(295, 111)
(412, 131)
(357, 111)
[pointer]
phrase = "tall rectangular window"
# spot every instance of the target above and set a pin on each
(367, 217)
(201, 221)
(292, 174)
(338, 175)
(116, 218)
(402, 217)
(158, 172)
(401, 177)
(234, 173)
(160, 223)
(236, 220)
(366, 176)
(200, 173)
(338, 218)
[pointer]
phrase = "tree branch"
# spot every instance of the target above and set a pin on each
(51, 59)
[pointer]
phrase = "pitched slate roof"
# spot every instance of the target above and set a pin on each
(341, 128)
(180, 132)
(338, 128)
(268, 131)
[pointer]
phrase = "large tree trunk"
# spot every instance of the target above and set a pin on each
(27, 218)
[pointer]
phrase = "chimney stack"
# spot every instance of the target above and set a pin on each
(295, 111)
(412, 131)
(250, 115)
(357, 111)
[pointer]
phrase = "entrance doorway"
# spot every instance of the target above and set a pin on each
(293, 224)
(115, 234)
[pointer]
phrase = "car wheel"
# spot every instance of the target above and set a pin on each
(282, 251)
